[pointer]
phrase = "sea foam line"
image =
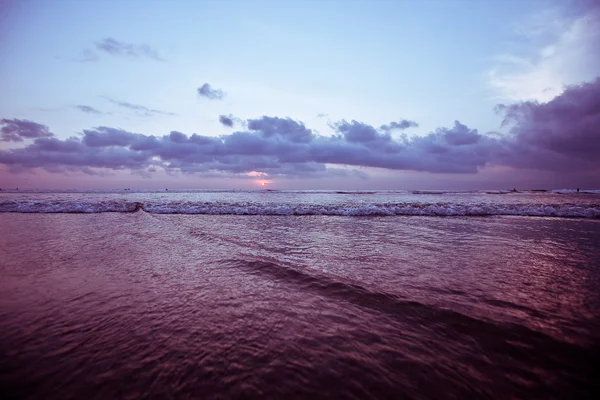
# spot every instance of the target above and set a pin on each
(219, 208)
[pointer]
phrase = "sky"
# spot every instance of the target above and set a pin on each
(405, 94)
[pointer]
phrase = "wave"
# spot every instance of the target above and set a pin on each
(573, 191)
(344, 209)
(484, 331)
(438, 192)
(84, 207)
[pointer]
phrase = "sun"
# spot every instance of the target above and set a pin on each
(264, 183)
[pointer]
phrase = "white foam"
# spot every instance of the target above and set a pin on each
(352, 209)
(88, 207)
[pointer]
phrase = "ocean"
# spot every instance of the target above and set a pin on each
(299, 294)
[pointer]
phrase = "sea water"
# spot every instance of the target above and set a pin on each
(299, 294)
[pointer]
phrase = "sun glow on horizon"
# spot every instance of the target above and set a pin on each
(263, 183)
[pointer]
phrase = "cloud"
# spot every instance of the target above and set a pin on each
(226, 120)
(103, 136)
(89, 110)
(286, 128)
(559, 50)
(139, 109)
(117, 48)
(460, 135)
(16, 130)
(210, 93)
(561, 135)
(359, 132)
(558, 135)
(399, 125)
(443, 151)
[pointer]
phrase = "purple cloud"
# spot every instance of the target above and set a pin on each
(358, 132)
(88, 110)
(399, 125)
(139, 109)
(283, 127)
(277, 146)
(561, 135)
(360, 144)
(15, 130)
(460, 135)
(226, 120)
(115, 47)
(210, 93)
(103, 136)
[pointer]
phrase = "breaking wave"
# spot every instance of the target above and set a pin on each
(249, 208)
(572, 191)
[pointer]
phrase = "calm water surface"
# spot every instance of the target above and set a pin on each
(142, 305)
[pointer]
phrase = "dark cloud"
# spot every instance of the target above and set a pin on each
(460, 135)
(16, 130)
(210, 93)
(282, 127)
(115, 47)
(358, 132)
(88, 110)
(104, 136)
(360, 144)
(399, 125)
(277, 146)
(226, 120)
(561, 135)
(139, 109)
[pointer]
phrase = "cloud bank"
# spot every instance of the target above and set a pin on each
(561, 135)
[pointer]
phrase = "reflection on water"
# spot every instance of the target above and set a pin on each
(179, 306)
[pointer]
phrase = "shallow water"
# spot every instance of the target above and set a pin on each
(142, 305)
